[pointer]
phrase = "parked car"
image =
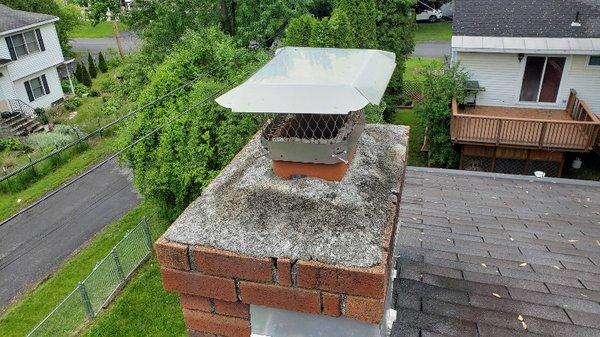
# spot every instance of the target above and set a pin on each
(431, 15)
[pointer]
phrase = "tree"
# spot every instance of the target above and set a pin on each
(300, 29)
(334, 32)
(99, 9)
(177, 162)
(85, 77)
(93, 71)
(363, 17)
(395, 32)
(102, 66)
(78, 73)
(68, 15)
(434, 111)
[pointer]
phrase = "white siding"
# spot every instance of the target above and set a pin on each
(33, 63)
(6, 86)
(46, 101)
(501, 76)
(586, 80)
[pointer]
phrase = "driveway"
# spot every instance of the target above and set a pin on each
(37, 241)
(130, 42)
(432, 49)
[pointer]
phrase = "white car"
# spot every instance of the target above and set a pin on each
(431, 15)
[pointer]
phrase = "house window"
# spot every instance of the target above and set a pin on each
(37, 87)
(541, 79)
(25, 43)
(594, 61)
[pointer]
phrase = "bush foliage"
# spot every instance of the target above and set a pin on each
(177, 162)
(440, 86)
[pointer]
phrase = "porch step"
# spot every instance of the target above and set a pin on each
(20, 125)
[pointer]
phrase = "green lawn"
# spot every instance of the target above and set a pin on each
(415, 65)
(24, 314)
(438, 31)
(88, 30)
(409, 117)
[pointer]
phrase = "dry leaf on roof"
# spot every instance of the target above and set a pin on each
(496, 295)
(485, 265)
(523, 264)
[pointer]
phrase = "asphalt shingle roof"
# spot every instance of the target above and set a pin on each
(13, 19)
(530, 18)
(482, 256)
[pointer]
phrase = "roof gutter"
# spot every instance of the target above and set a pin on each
(16, 30)
(529, 45)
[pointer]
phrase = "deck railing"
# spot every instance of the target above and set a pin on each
(578, 135)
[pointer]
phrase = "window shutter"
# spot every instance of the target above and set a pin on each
(11, 48)
(45, 83)
(29, 92)
(38, 33)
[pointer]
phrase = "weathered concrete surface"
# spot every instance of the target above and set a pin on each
(248, 210)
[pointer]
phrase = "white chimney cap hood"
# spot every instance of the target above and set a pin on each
(315, 81)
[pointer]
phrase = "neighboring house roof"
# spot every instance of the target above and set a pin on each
(484, 254)
(12, 20)
(531, 18)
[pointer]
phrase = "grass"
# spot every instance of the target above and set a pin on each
(415, 65)
(438, 31)
(415, 142)
(88, 30)
(33, 306)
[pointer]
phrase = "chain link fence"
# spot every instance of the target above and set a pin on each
(98, 289)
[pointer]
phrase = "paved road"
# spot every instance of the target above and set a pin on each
(437, 49)
(129, 40)
(36, 242)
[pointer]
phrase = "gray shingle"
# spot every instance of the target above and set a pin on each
(13, 19)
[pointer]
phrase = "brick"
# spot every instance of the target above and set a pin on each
(198, 284)
(172, 254)
(284, 272)
(331, 304)
(228, 264)
(364, 309)
(235, 309)
(294, 299)
(217, 324)
(194, 333)
(368, 282)
(195, 302)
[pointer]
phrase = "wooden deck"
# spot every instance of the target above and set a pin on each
(574, 129)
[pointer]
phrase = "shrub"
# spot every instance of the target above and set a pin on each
(81, 89)
(42, 117)
(440, 86)
(12, 144)
(85, 77)
(72, 103)
(66, 86)
(93, 71)
(94, 93)
(102, 66)
(48, 140)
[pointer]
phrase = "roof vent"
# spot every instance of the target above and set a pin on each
(576, 23)
(318, 95)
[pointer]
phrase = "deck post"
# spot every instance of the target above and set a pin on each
(542, 134)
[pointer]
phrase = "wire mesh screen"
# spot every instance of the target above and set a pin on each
(99, 287)
(477, 163)
(313, 128)
(69, 315)
(509, 166)
(552, 169)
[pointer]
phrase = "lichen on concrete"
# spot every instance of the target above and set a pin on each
(248, 210)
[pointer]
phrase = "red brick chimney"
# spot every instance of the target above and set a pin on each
(304, 250)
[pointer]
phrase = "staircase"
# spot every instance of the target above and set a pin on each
(20, 120)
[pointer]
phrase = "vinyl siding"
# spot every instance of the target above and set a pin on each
(46, 101)
(501, 75)
(586, 80)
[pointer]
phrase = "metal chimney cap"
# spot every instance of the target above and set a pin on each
(302, 80)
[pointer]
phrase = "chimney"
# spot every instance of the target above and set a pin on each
(257, 255)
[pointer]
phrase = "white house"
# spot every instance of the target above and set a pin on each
(30, 53)
(530, 53)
